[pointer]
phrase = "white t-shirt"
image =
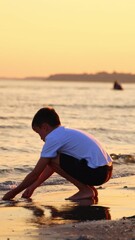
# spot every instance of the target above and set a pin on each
(77, 144)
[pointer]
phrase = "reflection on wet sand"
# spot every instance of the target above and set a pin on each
(83, 210)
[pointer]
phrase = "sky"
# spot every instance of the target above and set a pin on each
(44, 37)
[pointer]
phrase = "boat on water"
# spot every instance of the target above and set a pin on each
(117, 86)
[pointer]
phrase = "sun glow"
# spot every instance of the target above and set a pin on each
(69, 36)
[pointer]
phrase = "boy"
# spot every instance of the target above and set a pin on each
(71, 153)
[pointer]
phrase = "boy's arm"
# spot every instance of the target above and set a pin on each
(47, 172)
(29, 179)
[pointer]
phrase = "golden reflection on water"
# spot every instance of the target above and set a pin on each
(84, 210)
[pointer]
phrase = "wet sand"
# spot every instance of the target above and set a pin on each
(49, 216)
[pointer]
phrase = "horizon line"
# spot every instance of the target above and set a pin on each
(83, 73)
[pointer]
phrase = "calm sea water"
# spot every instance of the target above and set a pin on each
(94, 107)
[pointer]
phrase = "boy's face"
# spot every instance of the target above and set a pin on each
(42, 131)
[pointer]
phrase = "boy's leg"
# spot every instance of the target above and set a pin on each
(84, 192)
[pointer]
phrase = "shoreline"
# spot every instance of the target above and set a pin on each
(49, 216)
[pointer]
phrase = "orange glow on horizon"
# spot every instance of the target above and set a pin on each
(44, 37)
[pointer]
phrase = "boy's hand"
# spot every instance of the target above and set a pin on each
(9, 195)
(28, 192)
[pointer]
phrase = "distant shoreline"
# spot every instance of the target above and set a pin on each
(97, 77)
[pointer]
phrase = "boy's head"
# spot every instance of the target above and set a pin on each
(46, 115)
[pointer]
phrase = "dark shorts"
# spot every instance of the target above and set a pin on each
(79, 170)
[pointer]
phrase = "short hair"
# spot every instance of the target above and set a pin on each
(46, 115)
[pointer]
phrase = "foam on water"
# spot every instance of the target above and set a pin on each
(120, 162)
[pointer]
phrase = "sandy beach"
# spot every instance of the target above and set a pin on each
(50, 216)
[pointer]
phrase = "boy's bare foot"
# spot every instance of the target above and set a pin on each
(82, 194)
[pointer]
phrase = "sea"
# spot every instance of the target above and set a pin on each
(92, 107)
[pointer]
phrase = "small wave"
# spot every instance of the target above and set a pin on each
(120, 106)
(121, 174)
(123, 158)
(13, 149)
(16, 118)
(3, 148)
(7, 185)
(5, 170)
(13, 126)
(17, 170)
(24, 169)
(94, 106)
(55, 181)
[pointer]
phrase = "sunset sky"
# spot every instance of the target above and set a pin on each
(43, 37)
